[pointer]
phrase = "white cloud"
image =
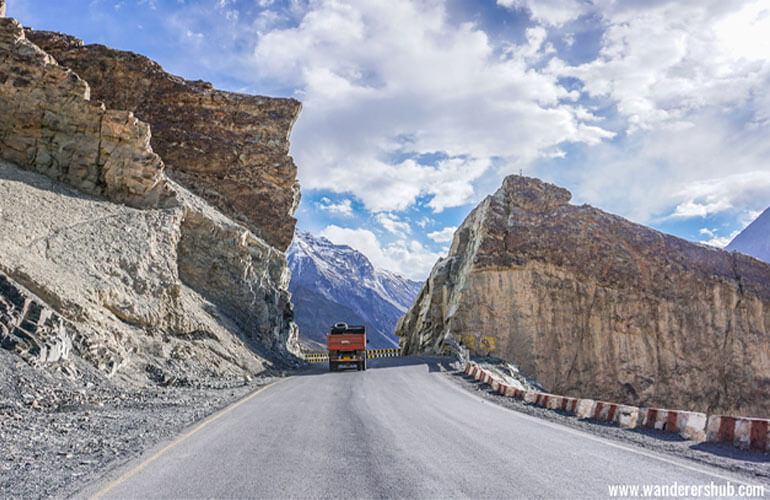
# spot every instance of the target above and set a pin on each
(443, 236)
(550, 12)
(409, 258)
(721, 241)
(343, 208)
(661, 61)
(691, 93)
(678, 86)
(396, 79)
(393, 225)
(705, 198)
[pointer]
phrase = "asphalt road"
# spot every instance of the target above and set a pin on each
(400, 429)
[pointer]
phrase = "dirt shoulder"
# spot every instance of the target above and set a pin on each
(58, 435)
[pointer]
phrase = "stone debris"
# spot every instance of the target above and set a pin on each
(58, 434)
(30, 329)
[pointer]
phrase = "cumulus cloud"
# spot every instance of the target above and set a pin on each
(443, 236)
(550, 12)
(383, 83)
(408, 258)
(343, 208)
(406, 107)
(715, 240)
(688, 85)
(393, 225)
(661, 61)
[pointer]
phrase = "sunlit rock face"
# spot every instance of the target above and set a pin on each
(230, 149)
(590, 304)
(104, 259)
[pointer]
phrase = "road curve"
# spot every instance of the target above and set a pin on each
(399, 429)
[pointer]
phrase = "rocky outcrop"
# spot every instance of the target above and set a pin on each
(51, 127)
(148, 280)
(592, 305)
(29, 328)
(230, 149)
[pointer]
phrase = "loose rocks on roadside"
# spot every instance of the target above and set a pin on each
(58, 435)
(753, 466)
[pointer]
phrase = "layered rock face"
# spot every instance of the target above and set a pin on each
(142, 278)
(50, 126)
(230, 149)
(592, 305)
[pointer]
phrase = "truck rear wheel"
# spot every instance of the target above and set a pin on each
(363, 364)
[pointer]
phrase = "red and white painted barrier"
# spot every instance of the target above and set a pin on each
(585, 408)
(747, 433)
(744, 432)
(628, 416)
(562, 403)
(688, 424)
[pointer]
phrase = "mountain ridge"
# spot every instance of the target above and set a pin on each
(332, 283)
(754, 240)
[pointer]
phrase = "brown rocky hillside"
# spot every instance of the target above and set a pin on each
(104, 257)
(592, 305)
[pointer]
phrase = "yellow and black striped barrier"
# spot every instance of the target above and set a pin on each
(316, 356)
(383, 353)
(322, 356)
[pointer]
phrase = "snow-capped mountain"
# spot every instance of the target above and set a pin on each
(332, 283)
(755, 239)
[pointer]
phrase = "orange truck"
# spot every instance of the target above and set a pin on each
(347, 346)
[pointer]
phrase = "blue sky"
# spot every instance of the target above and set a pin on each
(413, 111)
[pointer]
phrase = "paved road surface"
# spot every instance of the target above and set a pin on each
(400, 429)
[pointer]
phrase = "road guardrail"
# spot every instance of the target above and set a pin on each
(323, 356)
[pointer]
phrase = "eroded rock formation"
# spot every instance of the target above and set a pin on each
(592, 305)
(142, 278)
(230, 149)
(50, 126)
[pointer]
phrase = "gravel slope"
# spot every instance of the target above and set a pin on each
(58, 435)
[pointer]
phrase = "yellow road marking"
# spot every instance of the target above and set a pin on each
(147, 462)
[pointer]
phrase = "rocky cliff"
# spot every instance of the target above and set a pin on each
(230, 149)
(592, 305)
(117, 263)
